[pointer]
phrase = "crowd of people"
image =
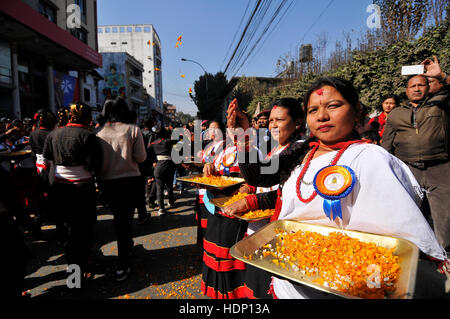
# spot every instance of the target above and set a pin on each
(67, 157)
(398, 160)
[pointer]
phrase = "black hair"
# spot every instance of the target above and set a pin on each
(62, 116)
(132, 117)
(161, 132)
(388, 96)
(371, 135)
(220, 123)
(295, 153)
(47, 119)
(345, 88)
(148, 122)
(295, 111)
(101, 119)
(80, 113)
(116, 110)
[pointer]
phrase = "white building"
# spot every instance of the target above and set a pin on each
(142, 42)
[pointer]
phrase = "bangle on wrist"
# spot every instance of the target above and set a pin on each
(444, 79)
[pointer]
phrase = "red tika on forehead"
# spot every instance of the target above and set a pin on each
(319, 92)
(275, 107)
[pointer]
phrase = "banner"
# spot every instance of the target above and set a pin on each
(66, 89)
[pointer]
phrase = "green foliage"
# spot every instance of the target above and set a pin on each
(209, 102)
(376, 73)
(184, 118)
(248, 88)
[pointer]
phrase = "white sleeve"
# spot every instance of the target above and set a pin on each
(384, 201)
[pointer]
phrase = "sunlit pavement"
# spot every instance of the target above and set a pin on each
(166, 262)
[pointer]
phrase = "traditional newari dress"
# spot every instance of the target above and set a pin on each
(257, 281)
(37, 140)
(205, 208)
(222, 275)
(384, 200)
(76, 154)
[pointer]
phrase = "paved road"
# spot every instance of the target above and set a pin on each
(166, 262)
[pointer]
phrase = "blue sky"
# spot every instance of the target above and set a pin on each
(208, 28)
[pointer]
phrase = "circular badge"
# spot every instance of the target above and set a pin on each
(229, 159)
(334, 182)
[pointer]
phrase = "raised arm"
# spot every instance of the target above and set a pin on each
(433, 70)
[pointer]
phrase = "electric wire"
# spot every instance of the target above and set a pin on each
(236, 33)
(243, 34)
(266, 33)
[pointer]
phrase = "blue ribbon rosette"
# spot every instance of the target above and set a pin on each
(334, 183)
(227, 162)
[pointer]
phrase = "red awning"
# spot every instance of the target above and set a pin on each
(31, 18)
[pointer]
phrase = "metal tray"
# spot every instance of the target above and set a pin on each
(220, 202)
(407, 252)
(15, 154)
(187, 179)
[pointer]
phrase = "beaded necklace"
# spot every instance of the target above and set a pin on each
(342, 147)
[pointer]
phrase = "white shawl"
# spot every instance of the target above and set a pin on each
(384, 201)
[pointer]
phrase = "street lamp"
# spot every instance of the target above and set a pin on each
(206, 74)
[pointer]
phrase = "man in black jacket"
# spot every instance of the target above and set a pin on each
(418, 133)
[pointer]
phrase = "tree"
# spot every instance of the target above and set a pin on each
(184, 118)
(209, 102)
(247, 89)
(401, 20)
(438, 9)
(375, 72)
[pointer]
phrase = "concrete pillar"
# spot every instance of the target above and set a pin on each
(16, 88)
(81, 79)
(51, 86)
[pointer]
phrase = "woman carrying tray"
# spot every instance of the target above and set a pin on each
(208, 154)
(222, 275)
(364, 188)
(285, 125)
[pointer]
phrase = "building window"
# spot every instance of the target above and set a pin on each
(5, 63)
(147, 29)
(107, 30)
(122, 29)
(129, 29)
(114, 30)
(124, 42)
(80, 34)
(87, 95)
(47, 11)
(113, 43)
(82, 5)
(138, 29)
(100, 30)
